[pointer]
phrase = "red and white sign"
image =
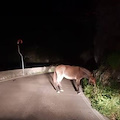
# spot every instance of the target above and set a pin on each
(19, 41)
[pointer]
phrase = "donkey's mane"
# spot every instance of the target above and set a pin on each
(85, 71)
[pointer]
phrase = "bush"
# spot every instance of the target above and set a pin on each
(105, 99)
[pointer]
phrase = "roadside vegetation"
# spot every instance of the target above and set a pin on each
(105, 96)
(105, 99)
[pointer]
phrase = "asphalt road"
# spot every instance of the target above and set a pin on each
(34, 98)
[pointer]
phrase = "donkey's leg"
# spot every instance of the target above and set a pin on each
(59, 79)
(56, 87)
(60, 87)
(78, 86)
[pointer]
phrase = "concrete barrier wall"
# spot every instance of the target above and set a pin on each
(12, 74)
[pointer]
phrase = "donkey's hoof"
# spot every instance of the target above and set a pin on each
(58, 91)
(79, 93)
(61, 90)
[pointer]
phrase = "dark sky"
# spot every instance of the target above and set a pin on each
(63, 27)
(53, 18)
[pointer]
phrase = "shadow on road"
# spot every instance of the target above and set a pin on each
(50, 78)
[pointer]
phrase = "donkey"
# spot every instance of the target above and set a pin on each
(72, 73)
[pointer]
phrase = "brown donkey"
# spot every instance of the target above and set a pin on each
(73, 73)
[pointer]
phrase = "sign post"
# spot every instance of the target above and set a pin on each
(20, 42)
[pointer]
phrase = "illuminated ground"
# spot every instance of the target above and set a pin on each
(34, 98)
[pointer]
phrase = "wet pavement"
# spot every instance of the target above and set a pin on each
(34, 98)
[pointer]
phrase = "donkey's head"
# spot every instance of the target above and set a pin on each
(92, 80)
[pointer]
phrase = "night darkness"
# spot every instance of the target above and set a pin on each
(54, 33)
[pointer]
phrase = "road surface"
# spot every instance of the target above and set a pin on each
(34, 98)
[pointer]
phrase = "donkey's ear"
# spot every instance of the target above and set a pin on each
(92, 74)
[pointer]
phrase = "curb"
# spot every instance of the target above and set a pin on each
(18, 73)
(87, 101)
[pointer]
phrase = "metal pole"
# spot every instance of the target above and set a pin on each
(21, 57)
